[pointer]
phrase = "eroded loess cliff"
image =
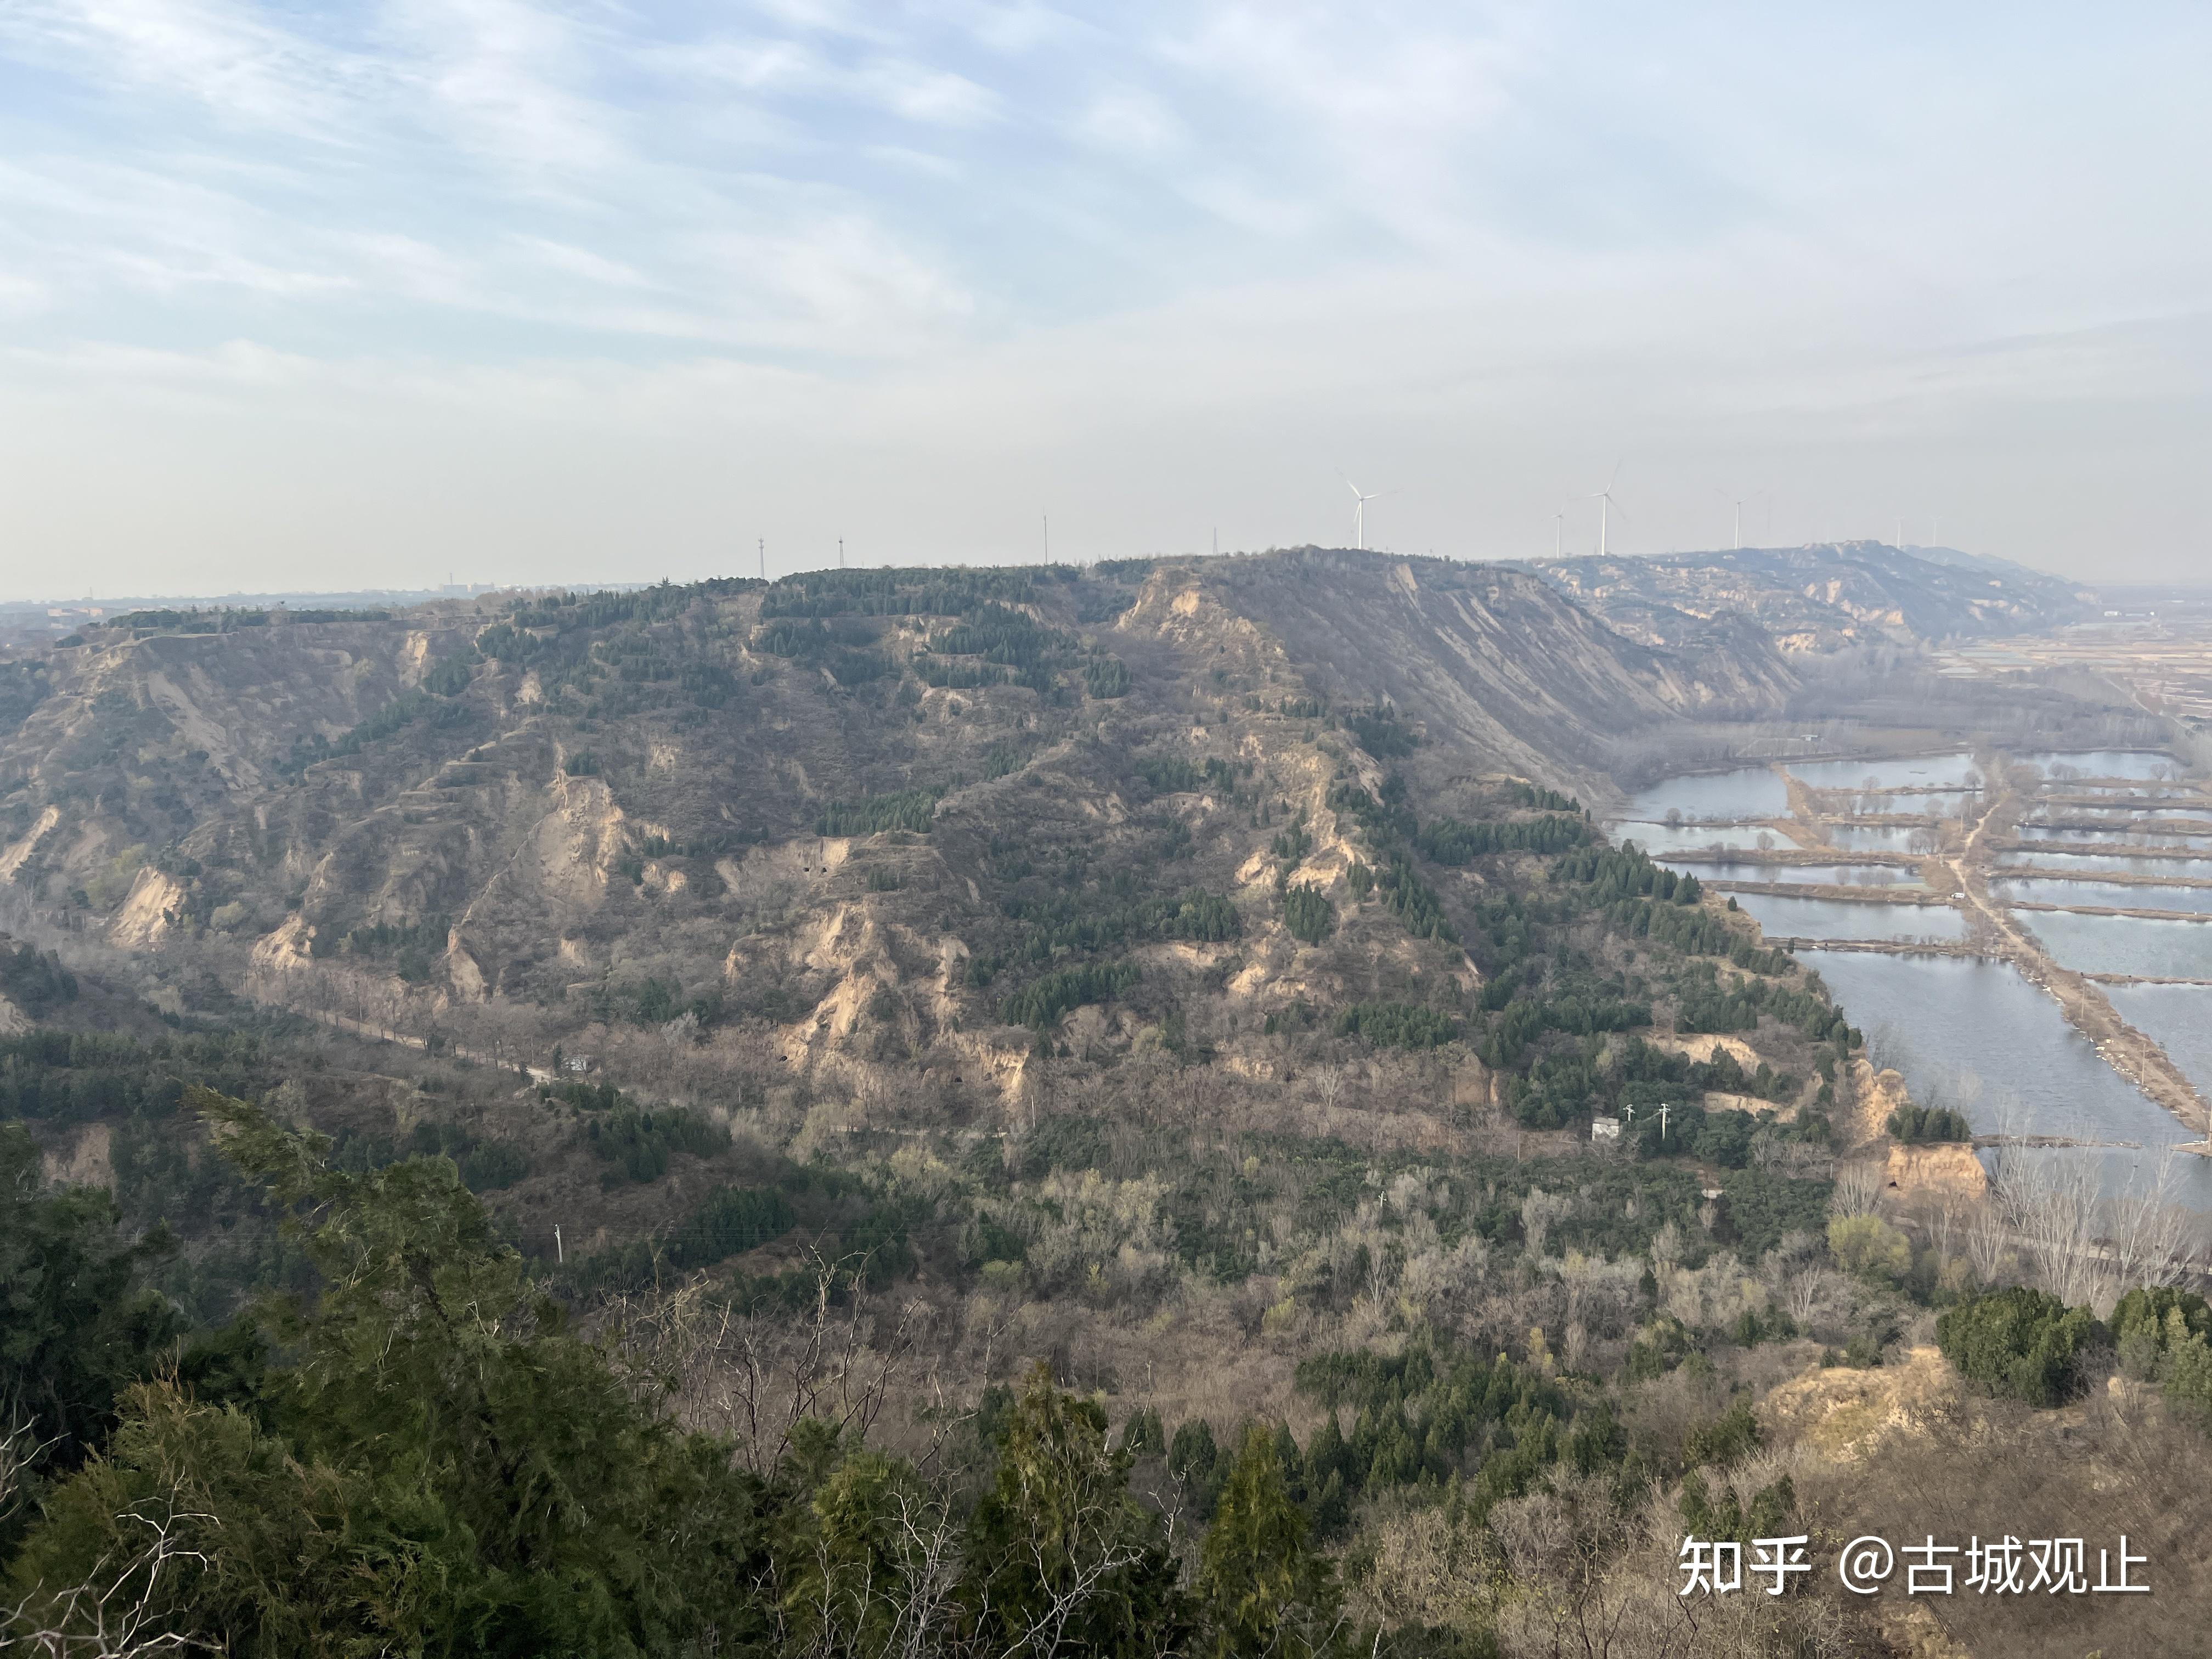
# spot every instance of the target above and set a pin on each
(876, 820)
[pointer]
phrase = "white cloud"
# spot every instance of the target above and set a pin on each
(1224, 248)
(1130, 119)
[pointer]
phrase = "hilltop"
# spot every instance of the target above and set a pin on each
(811, 798)
(869, 1020)
(1816, 598)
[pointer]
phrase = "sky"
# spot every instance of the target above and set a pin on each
(405, 291)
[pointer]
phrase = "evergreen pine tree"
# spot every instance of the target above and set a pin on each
(1260, 1586)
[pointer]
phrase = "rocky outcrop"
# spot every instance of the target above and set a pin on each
(1914, 1173)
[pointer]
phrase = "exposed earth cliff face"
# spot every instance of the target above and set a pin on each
(1815, 598)
(880, 818)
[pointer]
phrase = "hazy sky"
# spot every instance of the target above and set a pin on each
(327, 295)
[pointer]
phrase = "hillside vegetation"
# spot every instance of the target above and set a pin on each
(1816, 598)
(966, 1112)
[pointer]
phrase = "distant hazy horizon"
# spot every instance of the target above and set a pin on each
(422, 594)
(490, 291)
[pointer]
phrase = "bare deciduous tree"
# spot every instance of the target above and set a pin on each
(1987, 1242)
(1857, 1186)
(1539, 1210)
(846, 1607)
(121, 1611)
(2150, 1231)
(755, 1374)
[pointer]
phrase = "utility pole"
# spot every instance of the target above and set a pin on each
(1662, 1120)
(840, 552)
(560, 1255)
(763, 558)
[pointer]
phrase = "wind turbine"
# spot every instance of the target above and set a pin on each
(1605, 503)
(1558, 533)
(1359, 511)
(1737, 503)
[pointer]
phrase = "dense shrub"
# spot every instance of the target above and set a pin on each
(1397, 1026)
(1603, 874)
(1045, 1001)
(34, 982)
(2166, 1336)
(1871, 1247)
(909, 809)
(2020, 1343)
(1169, 775)
(1106, 676)
(638, 1143)
(1448, 840)
(1308, 913)
(1924, 1125)
(1380, 734)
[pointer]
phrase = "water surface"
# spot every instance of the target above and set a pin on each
(2066, 860)
(2115, 894)
(1838, 875)
(1949, 804)
(2178, 1018)
(1877, 837)
(1785, 917)
(2102, 818)
(2124, 945)
(2116, 837)
(2107, 764)
(1918, 771)
(1751, 791)
(1699, 837)
(1975, 1035)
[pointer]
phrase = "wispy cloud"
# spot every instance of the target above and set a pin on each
(1229, 240)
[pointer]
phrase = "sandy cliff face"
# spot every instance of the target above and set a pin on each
(838, 806)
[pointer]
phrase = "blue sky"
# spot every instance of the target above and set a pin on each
(334, 296)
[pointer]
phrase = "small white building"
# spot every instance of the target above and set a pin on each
(1605, 1130)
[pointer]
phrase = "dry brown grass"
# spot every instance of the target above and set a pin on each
(1907, 1452)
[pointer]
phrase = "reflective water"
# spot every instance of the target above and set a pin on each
(2178, 1017)
(2110, 837)
(1751, 792)
(1975, 1035)
(1837, 875)
(2114, 894)
(2106, 763)
(2124, 945)
(1972, 1033)
(1879, 837)
(1699, 837)
(2122, 794)
(1784, 917)
(2068, 860)
(1922, 771)
(1948, 803)
(2102, 818)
